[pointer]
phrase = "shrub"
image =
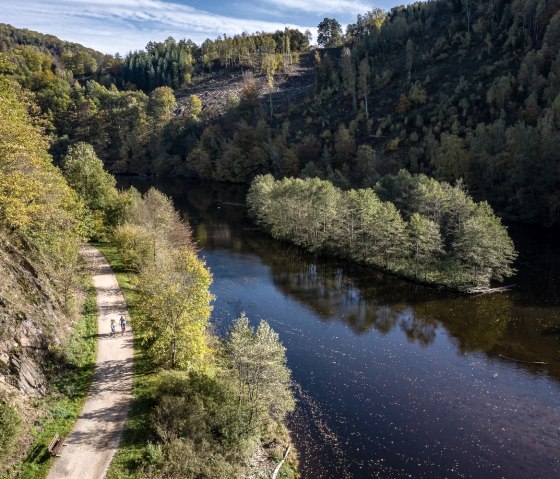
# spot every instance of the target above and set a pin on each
(203, 408)
(154, 453)
(135, 244)
(187, 460)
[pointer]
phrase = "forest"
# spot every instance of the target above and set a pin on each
(438, 235)
(451, 89)
(401, 144)
(407, 139)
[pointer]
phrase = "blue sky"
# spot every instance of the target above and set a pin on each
(113, 26)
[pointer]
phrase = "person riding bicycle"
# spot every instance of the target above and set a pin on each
(123, 324)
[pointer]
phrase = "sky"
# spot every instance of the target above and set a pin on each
(120, 26)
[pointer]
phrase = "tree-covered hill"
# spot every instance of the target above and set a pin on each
(126, 107)
(454, 89)
(83, 63)
(457, 89)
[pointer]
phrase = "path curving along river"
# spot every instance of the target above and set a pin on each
(394, 380)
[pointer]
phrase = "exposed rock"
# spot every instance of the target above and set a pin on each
(30, 320)
(29, 378)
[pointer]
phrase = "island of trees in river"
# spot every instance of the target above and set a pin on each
(437, 235)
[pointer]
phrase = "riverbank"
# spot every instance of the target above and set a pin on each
(139, 449)
(397, 380)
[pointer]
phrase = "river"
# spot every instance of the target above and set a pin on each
(394, 380)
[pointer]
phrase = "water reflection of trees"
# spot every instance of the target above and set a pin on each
(367, 300)
(498, 325)
(362, 298)
(418, 329)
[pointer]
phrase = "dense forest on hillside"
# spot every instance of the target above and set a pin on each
(454, 89)
(42, 291)
(68, 60)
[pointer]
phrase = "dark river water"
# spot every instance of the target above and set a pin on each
(394, 380)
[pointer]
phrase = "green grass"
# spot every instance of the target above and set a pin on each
(133, 447)
(72, 371)
(10, 429)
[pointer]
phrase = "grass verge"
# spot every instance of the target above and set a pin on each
(133, 446)
(69, 389)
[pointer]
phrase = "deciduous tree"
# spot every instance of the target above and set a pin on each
(258, 361)
(425, 243)
(175, 309)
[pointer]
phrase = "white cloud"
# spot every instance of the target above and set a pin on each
(122, 25)
(323, 7)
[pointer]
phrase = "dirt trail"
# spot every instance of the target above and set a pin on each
(95, 438)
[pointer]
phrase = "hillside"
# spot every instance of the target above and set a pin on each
(456, 96)
(452, 89)
(215, 90)
(83, 63)
(27, 303)
(41, 292)
(453, 95)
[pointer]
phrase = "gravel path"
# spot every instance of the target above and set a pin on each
(96, 435)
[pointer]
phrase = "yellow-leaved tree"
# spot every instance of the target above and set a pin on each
(175, 309)
(152, 228)
(39, 212)
(35, 201)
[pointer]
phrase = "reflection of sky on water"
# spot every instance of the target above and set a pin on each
(382, 402)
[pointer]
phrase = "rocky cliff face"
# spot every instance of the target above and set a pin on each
(29, 320)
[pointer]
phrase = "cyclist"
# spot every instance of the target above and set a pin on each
(123, 324)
